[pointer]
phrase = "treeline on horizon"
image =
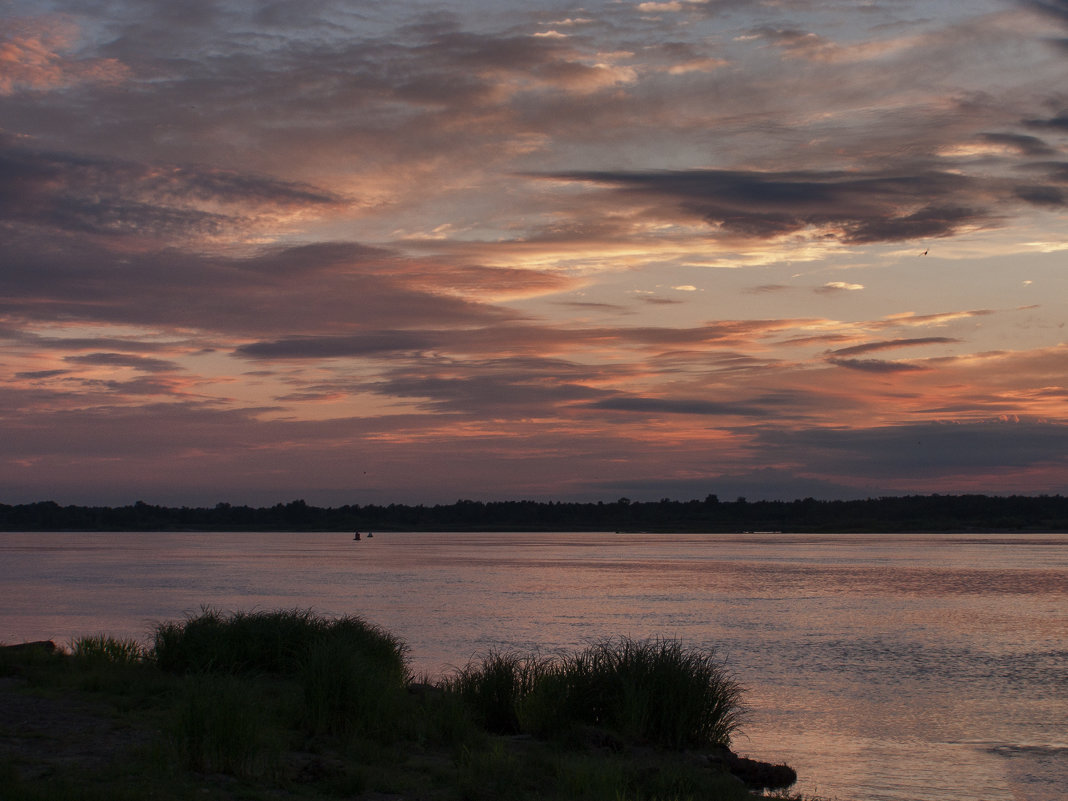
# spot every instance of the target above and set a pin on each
(911, 513)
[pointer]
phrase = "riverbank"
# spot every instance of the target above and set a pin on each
(290, 706)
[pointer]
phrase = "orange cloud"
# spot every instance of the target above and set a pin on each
(34, 56)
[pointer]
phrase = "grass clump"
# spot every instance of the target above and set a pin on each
(107, 650)
(353, 674)
(656, 691)
(496, 688)
(263, 642)
(354, 680)
(222, 725)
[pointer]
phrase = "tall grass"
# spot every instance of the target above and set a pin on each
(353, 674)
(354, 681)
(657, 691)
(496, 687)
(266, 642)
(221, 726)
(107, 650)
(245, 642)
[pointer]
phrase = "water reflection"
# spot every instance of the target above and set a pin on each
(881, 667)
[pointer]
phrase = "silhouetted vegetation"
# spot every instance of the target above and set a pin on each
(269, 705)
(930, 513)
(655, 691)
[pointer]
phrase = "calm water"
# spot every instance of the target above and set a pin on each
(882, 668)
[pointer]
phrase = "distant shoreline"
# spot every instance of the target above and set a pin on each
(914, 514)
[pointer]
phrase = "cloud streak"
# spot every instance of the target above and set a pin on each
(110, 196)
(853, 208)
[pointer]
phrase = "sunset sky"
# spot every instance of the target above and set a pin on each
(367, 252)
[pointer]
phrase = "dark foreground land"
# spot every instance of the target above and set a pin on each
(913, 513)
(285, 705)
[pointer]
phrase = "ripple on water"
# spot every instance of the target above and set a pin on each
(1035, 772)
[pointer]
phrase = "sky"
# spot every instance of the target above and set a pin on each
(412, 252)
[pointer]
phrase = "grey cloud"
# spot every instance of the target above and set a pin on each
(21, 404)
(288, 15)
(477, 393)
(1042, 195)
(989, 404)
(1058, 9)
(1059, 172)
(488, 387)
(780, 405)
(817, 339)
(793, 40)
(1053, 392)
(306, 396)
(491, 338)
(656, 406)
(589, 306)
(429, 24)
(1053, 172)
(38, 374)
(365, 93)
(876, 365)
(931, 221)
(429, 66)
(229, 186)
(190, 453)
(718, 333)
(318, 259)
(479, 51)
(302, 290)
(867, 207)
(326, 347)
(146, 386)
(493, 387)
(385, 95)
(153, 431)
(893, 343)
(377, 343)
(1057, 123)
(1021, 143)
(58, 193)
(730, 362)
(110, 196)
(98, 343)
(123, 360)
(923, 449)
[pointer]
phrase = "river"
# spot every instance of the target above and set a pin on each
(881, 667)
